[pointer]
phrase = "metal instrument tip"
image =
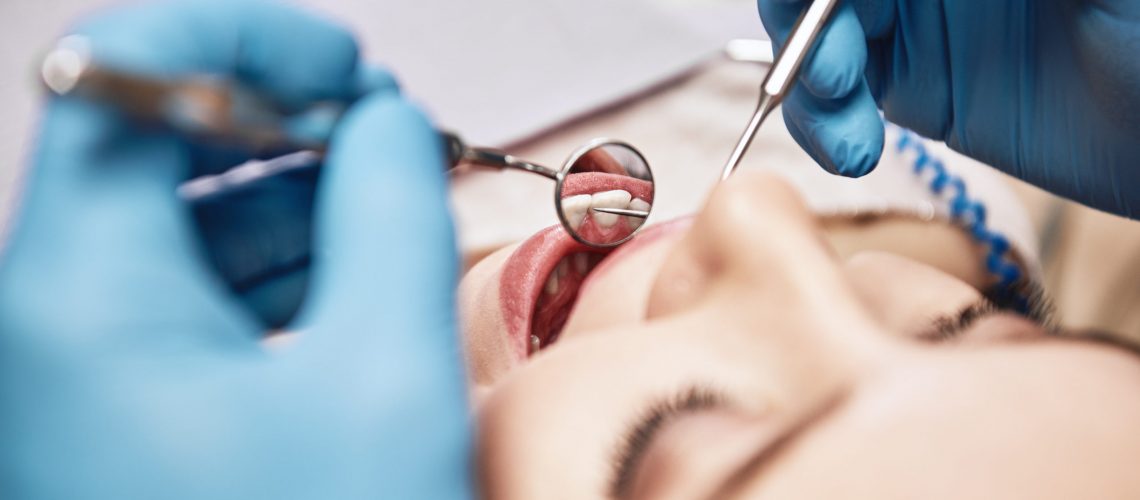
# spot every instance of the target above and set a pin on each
(640, 214)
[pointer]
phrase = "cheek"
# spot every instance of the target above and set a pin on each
(487, 349)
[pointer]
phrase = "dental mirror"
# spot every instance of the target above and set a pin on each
(604, 193)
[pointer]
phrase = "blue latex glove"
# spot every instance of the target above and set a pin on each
(1048, 91)
(127, 370)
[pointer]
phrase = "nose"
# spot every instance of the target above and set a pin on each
(756, 240)
(756, 264)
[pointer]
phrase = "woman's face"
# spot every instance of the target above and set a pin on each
(737, 356)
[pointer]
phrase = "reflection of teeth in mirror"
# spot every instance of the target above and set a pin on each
(575, 208)
(640, 205)
(608, 199)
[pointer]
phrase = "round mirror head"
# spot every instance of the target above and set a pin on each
(604, 193)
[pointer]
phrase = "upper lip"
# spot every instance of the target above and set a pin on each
(592, 182)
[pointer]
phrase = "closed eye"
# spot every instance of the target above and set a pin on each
(947, 328)
(1039, 310)
(636, 442)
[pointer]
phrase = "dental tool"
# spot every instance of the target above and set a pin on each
(782, 75)
(218, 110)
(640, 214)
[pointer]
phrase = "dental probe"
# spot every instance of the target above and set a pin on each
(782, 74)
(640, 214)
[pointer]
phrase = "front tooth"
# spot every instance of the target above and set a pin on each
(637, 204)
(575, 208)
(563, 268)
(551, 286)
(609, 199)
(581, 263)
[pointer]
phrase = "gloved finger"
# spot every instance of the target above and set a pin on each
(834, 68)
(385, 264)
(294, 57)
(802, 139)
(371, 78)
(845, 136)
(102, 244)
(102, 225)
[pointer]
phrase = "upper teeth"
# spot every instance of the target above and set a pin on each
(641, 205)
(577, 207)
(609, 199)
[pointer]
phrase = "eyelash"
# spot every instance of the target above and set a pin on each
(947, 328)
(1040, 311)
(632, 448)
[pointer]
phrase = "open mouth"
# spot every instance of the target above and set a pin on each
(540, 284)
(559, 294)
(541, 279)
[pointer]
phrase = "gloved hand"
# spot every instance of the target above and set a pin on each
(1046, 91)
(127, 370)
